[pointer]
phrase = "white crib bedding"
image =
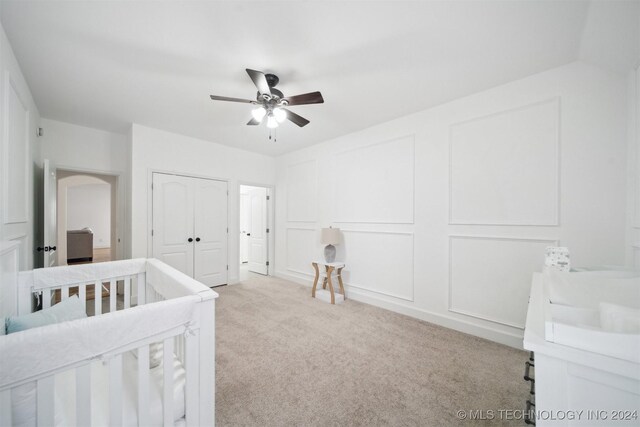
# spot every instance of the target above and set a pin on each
(66, 392)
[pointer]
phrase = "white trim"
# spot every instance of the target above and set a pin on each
(450, 307)
(556, 222)
(413, 195)
(9, 84)
(287, 267)
(413, 248)
(315, 190)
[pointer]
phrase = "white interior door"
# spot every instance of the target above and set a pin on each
(50, 235)
(245, 226)
(258, 239)
(210, 258)
(173, 221)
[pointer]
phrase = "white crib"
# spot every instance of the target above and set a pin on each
(88, 364)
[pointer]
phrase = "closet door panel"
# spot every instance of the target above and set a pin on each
(211, 228)
(173, 221)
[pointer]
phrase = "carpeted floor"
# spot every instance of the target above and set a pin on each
(285, 359)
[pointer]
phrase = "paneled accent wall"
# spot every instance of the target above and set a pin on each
(366, 250)
(505, 167)
(490, 277)
(300, 245)
(301, 188)
(16, 154)
(387, 169)
(445, 214)
(19, 120)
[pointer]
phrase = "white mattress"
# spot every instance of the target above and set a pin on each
(66, 392)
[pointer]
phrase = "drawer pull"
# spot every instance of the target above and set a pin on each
(527, 376)
(529, 417)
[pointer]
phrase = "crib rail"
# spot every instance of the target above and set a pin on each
(192, 341)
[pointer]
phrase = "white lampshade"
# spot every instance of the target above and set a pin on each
(272, 123)
(280, 114)
(330, 236)
(259, 113)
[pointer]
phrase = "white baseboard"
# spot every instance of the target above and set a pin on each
(506, 338)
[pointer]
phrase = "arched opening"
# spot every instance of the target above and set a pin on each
(86, 217)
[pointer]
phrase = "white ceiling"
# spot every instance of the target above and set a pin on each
(106, 64)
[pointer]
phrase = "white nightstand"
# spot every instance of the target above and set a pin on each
(329, 269)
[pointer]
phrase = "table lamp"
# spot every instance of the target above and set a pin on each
(330, 236)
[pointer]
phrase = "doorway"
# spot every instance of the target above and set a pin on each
(86, 217)
(254, 231)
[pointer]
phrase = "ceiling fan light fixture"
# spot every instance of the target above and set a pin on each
(272, 123)
(259, 113)
(280, 114)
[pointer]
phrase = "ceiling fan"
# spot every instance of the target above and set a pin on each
(271, 101)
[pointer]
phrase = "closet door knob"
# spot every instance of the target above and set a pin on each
(189, 240)
(197, 239)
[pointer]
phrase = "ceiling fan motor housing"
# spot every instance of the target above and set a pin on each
(272, 80)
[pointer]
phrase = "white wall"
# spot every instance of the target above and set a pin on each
(19, 156)
(77, 148)
(90, 206)
(160, 151)
(445, 213)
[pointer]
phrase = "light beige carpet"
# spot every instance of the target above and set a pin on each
(285, 359)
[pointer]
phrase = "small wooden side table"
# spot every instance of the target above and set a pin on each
(330, 267)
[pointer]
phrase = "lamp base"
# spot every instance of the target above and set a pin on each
(329, 253)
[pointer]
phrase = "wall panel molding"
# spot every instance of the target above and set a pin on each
(388, 169)
(499, 190)
(305, 252)
(302, 191)
(514, 298)
(398, 255)
(15, 153)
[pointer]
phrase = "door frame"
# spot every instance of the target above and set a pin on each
(119, 251)
(150, 206)
(271, 223)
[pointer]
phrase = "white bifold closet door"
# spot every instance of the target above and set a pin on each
(190, 226)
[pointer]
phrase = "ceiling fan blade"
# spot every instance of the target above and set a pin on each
(306, 98)
(226, 98)
(253, 122)
(260, 81)
(295, 118)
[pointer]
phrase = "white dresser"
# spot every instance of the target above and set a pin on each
(577, 384)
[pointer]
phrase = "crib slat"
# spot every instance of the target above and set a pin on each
(65, 293)
(127, 292)
(44, 398)
(113, 292)
(46, 298)
(83, 395)
(115, 391)
(142, 288)
(167, 401)
(143, 385)
(192, 403)
(82, 293)
(5, 408)
(98, 297)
